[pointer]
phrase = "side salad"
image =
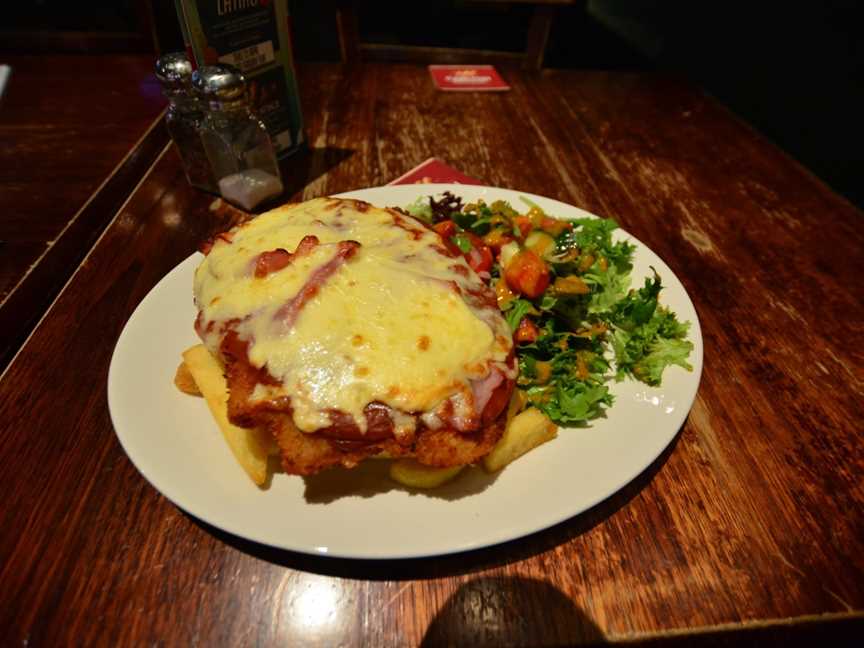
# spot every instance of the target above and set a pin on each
(565, 290)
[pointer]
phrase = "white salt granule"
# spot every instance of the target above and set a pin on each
(250, 188)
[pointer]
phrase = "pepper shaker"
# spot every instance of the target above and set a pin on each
(238, 146)
(184, 119)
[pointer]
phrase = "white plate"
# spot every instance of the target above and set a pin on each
(172, 440)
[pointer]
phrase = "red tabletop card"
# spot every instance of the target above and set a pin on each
(434, 170)
(467, 78)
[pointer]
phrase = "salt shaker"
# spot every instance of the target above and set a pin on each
(238, 146)
(184, 118)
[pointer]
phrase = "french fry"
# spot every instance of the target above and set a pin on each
(518, 401)
(246, 445)
(524, 432)
(184, 381)
(411, 473)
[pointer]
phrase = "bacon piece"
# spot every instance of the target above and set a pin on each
(275, 260)
(461, 270)
(446, 251)
(484, 388)
(289, 312)
(498, 400)
(306, 245)
(272, 261)
(484, 298)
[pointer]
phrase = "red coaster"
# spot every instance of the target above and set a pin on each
(467, 78)
(434, 170)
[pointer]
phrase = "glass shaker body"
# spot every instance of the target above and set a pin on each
(184, 118)
(237, 143)
(242, 157)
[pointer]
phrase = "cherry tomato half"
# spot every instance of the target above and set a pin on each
(527, 274)
(475, 240)
(527, 332)
(445, 228)
(524, 224)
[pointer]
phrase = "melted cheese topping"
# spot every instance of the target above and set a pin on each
(386, 325)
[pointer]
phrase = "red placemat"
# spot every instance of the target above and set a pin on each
(434, 170)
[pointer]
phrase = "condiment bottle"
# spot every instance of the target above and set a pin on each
(238, 146)
(184, 118)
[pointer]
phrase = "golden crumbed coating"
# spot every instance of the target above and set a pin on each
(447, 447)
(307, 454)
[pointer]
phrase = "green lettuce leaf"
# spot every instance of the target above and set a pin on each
(663, 353)
(421, 209)
(516, 310)
(576, 402)
(594, 236)
(607, 288)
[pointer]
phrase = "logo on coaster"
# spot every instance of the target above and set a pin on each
(467, 78)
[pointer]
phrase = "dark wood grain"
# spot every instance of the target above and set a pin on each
(72, 147)
(747, 530)
(76, 42)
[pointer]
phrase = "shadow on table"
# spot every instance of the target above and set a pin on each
(498, 611)
(460, 563)
(307, 165)
(504, 611)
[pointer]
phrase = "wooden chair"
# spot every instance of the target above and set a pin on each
(352, 49)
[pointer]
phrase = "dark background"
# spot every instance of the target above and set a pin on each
(792, 70)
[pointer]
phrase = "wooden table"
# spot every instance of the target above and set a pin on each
(76, 135)
(748, 528)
